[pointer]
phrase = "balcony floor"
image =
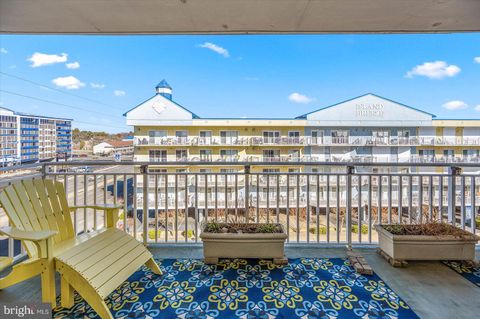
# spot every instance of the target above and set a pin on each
(431, 289)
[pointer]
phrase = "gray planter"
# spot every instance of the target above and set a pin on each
(244, 245)
(419, 247)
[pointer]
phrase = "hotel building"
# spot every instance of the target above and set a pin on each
(26, 138)
(368, 128)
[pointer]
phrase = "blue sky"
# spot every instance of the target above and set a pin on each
(237, 76)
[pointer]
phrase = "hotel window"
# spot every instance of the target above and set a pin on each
(448, 153)
(317, 137)
(294, 137)
(270, 136)
(157, 155)
(271, 155)
(294, 170)
(403, 133)
(294, 154)
(427, 154)
(182, 136)
(156, 137)
(340, 136)
(205, 155)
(229, 137)
(271, 170)
(471, 153)
(205, 138)
(181, 155)
(229, 155)
(181, 170)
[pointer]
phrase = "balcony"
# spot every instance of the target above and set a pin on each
(318, 210)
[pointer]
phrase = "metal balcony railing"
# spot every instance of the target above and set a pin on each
(341, 204)
(308, 141)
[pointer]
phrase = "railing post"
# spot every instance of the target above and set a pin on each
(44, 171)
(348, 205)
(247, 192)
(453, 172)
(144, 172)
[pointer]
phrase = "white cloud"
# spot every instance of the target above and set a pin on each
(477, 59)
(119, 93)
(73, 65)
(455, 105)
(477, 108)
(97, 85)
(40, 59)
(68, 82)
(3, 50)
(434, 70)
(216, 48)
(299, 98)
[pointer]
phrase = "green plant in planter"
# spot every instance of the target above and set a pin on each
(364, 229)
(151, 234)
(212, 227)
(268, 228)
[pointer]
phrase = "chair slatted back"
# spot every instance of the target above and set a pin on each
(40, 204)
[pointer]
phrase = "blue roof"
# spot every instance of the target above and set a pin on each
(304, 116)
(163, 84)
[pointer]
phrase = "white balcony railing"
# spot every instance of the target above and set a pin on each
(308, 141)
(313, 207)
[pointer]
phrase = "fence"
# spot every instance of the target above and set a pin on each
(337, 207)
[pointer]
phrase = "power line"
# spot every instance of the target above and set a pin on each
(81, 122)
(57, 103)
(55, 89)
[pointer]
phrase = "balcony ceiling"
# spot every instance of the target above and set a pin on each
(238, 16)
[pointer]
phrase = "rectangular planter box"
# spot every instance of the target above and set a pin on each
(420, 247)
(244, 245)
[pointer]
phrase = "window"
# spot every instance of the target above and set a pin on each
(228, 170)
(294, 137)
(381, 133)
(155, 137)
(228, 155)
(205, 155)
(404, 133)
(181, 170)
(228, 137)
(205, 138)
(270, 136)
(471, 153)
(317, 137)
(340, 136)
(181, 155)
(157, 155)
(205, 170)
(294, 170)
(271, 170)
(294, 154)
(181, 134)
(271, 155)
(448, 153)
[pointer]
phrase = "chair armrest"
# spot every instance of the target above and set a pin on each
(43, 239)
(35, 236)
(98, 207)
(111, 212)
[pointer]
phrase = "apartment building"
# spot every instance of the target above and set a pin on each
(368, 128)
(26, 138)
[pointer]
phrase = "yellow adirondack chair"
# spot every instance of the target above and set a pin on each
(94, 264)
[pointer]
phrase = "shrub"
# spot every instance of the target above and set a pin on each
(189, 233)
(151, 234)
(364, 229)
(322, 230)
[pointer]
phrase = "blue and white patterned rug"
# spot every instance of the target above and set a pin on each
(469, 272)
(306, 288)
